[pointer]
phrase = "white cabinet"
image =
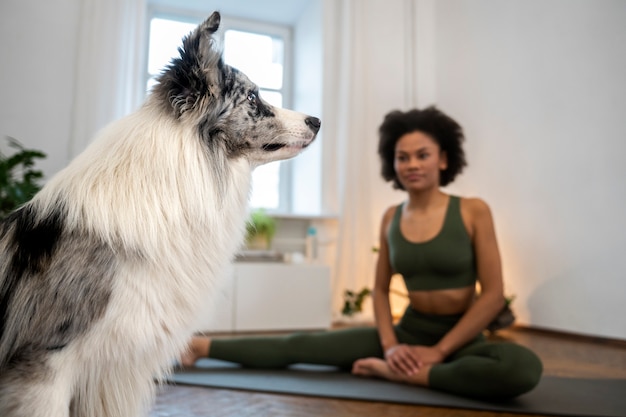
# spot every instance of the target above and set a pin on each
(272, 296)
(281, 296)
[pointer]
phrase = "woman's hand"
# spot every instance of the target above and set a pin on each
(408, 360)
(403, 359)
(428, 355)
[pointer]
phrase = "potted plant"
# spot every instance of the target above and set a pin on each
(19, 181)
(505, 317)
(260, 230)
(353, 301)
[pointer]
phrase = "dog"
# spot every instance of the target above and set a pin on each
(103, 272)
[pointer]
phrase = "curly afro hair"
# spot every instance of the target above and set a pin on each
(431, 121)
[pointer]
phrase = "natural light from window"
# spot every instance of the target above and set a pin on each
(165, 39)
(260, 57)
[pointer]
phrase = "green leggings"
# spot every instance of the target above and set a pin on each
(480, 369)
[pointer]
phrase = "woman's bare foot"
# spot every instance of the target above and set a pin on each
(198, 348)
(376, 367)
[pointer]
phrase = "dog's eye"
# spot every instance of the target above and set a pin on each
(252, 98)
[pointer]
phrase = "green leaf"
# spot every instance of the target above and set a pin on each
(19, 182)
(260, 224)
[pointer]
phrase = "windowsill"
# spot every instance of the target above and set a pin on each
(303, 216)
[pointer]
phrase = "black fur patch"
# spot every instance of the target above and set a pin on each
(54, 284)
(229, 78)
(34, 244)
(35, 241)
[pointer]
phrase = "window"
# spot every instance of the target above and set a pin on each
(261, 58)
(261, 52)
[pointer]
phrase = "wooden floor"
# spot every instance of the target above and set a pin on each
(562, 355)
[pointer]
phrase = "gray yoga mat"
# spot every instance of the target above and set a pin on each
(554, 396)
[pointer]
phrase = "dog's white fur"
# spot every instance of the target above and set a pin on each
(177, 240)
(173, 215)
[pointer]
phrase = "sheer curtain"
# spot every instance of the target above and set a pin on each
(108, 66)
(370, 68)
(346, 143)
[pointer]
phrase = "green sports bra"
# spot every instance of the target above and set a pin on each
(446, 261)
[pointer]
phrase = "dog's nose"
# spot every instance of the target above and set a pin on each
(313, 123)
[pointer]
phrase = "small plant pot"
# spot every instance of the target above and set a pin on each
(258, 242)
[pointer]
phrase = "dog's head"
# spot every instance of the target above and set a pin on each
(225, 105)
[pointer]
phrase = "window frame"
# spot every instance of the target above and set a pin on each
(229, 22)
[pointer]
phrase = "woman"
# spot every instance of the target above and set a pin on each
(441, 245)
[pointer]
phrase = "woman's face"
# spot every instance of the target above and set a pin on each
(418, 161)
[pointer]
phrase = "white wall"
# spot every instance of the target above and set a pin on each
(38, 43)
(539, 87)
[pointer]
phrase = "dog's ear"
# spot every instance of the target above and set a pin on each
(196, 73)
(207, 50)
(212, 23)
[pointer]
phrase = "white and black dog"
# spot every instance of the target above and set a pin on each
(102, 274)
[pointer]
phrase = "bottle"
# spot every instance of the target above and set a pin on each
(310, 244)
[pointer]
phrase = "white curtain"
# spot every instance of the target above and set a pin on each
(370, 69)
(108, 67)
(354, 259)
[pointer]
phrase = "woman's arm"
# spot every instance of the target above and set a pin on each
(489, 269)
(399, 357)
(380, 293)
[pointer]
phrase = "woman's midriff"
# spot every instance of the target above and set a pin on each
(442, 302)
